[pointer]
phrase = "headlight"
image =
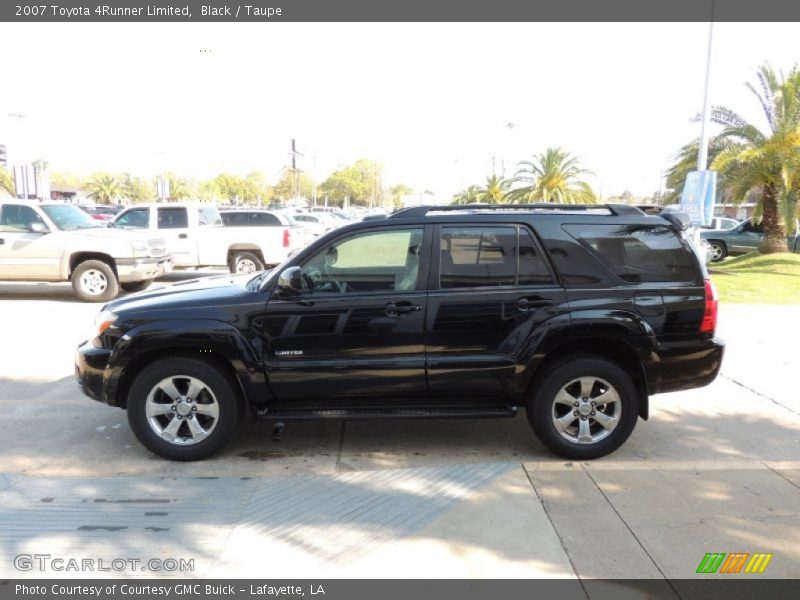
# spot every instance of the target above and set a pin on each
(139, 246)
(102, 322)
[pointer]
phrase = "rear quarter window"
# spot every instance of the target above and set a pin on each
(638, 253)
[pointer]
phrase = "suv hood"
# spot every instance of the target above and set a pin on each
(194, 293)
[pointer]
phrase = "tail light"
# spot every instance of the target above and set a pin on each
(709, 323)
(287, 238)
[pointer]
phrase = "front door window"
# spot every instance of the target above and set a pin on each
(375, 261)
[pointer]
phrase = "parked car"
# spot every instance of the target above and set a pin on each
(723, 223)
(59, 242)
(196, 236)
(316, 224)
(743, 238)
(100, 212)
(577, 316)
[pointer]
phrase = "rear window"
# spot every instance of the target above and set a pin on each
(638, 253)
(262, 219)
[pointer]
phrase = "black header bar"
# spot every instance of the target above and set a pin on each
(399, 10)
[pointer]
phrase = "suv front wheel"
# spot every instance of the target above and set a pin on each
(585, 408)
(183, 408)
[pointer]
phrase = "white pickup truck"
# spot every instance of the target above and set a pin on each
(50, 241)
(196, 237)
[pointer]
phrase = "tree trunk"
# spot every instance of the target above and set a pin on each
(774, 233)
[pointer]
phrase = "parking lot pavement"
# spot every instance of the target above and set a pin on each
(714, 470)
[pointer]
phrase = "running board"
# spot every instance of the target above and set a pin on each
(297, 414)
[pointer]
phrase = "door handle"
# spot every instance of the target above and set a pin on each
(526, 304)
(403, 307)
(183, 236)
(2, 241)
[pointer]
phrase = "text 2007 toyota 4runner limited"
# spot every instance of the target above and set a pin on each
(577, 314)
(59, 242)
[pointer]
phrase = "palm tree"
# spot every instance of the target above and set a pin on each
(554, 176)
(468, 196)
(178, 188)
(104, 188)
(6, 182)
(494, 191)
(765, 159)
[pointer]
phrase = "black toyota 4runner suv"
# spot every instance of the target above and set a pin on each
(578, 314)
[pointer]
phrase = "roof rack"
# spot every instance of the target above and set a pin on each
(628, 210)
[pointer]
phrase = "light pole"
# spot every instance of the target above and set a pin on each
(702, 155)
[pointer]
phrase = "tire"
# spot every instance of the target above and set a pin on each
(136, 286)
(565, 382)
(174, 425)
(95, 281)
(718, 250)
(246, 262)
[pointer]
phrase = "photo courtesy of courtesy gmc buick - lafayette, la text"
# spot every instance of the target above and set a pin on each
(577, 314)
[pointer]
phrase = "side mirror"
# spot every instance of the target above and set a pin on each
(37, 227)
(290, 281)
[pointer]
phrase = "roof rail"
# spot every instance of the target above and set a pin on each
(628, 210)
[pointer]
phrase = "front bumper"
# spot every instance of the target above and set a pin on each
(684, 365)
(139, 269)
(90, 367)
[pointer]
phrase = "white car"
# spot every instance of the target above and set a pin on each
(316, 224)
(196, 236)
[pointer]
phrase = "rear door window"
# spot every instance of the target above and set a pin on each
(173, 218)
(490, 256)
(637, 253)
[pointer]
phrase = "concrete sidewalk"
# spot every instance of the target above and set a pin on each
(532, 520)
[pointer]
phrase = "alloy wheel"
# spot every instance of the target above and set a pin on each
(182, 410)
(586, 410)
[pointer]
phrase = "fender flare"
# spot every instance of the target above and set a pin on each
(613, 333)
(185, 336)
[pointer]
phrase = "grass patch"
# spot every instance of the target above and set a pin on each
(758, 279)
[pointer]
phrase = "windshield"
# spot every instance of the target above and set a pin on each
(68, 218)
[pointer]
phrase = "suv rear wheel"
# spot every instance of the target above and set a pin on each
(183, 408)
(585, 408)
(95, 281)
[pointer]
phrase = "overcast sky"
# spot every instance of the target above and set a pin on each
(432, 101)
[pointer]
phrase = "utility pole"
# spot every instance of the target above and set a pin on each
(702, 155)
(296, 172)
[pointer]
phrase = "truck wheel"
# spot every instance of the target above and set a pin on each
(136, 286)
(585, 408)
(183, 408)
(718, 250)
(246, 262)
(95, 281)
